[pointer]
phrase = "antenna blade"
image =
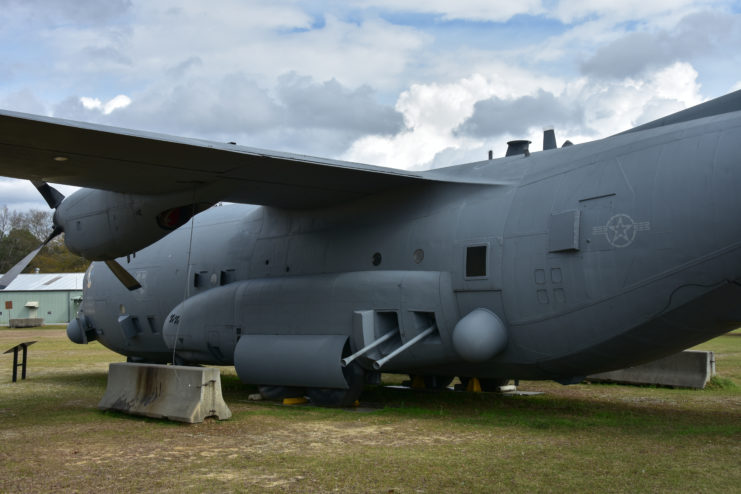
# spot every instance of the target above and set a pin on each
(549, 139)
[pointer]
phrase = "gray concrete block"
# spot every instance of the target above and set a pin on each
(29, 322)
(688, 369)
(174, 392)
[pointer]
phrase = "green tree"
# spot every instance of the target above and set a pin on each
(22, 232)
(14, 246)
(56, 258)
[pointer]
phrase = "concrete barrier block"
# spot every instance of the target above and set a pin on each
(174, 392)
(29, 322)
(688, 369)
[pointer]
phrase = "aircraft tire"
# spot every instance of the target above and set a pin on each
(438, 382)
(278, 393)
(332, 397)
(487, 385)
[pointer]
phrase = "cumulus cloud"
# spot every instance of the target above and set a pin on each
(430, 112)
(202, 107)
(179, 70)
(299, 114)
(105, 54)
(636, 52)
(496, 116)
(23, 100)
(475, 10)
(17, 191)
(43, 12)
(436, 116)
(458, 122)
(120, 101)
(267, 41)
(570, 11)
(365, 83)
(330, 105)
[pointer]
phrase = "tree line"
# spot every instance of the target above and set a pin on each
(23, 231)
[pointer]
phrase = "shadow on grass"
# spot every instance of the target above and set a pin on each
(553, 412)
(543, 412)
(85, 379)
(490, 410)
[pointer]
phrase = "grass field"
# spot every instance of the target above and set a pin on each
(582, 438)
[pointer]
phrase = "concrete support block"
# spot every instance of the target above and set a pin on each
(29, 322)
(174, 392)
(688, 369)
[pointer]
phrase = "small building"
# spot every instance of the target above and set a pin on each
(53, 297)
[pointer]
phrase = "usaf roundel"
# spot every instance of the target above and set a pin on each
(620, 230)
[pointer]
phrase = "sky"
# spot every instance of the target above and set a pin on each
(398, 83)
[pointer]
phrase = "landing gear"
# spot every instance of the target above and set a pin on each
(438, 382)
(428, 382)
(324, 397)
(487, 385)
(332, 397)
(280, 393)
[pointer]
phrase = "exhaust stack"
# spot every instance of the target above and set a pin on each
(520, 146)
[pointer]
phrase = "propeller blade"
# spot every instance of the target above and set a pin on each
(52, 196)
(21, 265)
(122, 275)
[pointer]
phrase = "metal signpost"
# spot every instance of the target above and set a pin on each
(15, 349)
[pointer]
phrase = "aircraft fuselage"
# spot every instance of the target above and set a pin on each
(593, 257)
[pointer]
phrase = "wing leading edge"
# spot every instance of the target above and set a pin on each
(120, 160)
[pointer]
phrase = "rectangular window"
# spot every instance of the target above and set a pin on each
(476, 261)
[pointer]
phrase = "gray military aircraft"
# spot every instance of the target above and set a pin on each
(544, 265)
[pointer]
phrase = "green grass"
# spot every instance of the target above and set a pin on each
(582, 438)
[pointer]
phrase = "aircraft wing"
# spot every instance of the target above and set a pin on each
(108, 158)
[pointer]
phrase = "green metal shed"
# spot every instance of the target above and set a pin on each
(53, 297)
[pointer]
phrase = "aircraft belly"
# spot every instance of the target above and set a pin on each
(706, 316)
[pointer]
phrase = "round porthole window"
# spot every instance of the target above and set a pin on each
(418, 256)
(377, 258)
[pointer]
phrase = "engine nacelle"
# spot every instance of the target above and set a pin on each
(102, 225)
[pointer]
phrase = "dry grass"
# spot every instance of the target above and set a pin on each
(584, 438)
